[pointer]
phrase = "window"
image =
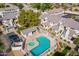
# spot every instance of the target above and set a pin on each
(44, 20)
(0, 16)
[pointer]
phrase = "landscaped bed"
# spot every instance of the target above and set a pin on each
(1, 46)
(63, 53)
(61, 44)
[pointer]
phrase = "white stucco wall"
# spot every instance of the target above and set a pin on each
(16, 48)
(29, 34)
(1, 14)
(77, 31)
(67, 33)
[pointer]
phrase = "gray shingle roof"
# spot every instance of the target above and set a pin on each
(56, 27)
(71, 23)
(51, 16)
(9, 12)
(46, 24)
(26, 31)
(10, 15)
(9, 8)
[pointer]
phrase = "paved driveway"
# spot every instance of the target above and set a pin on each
(6, 43)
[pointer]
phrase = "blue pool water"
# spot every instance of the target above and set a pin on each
(44, 44)
(14, 38)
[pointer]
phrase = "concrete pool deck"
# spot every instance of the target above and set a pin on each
(31, 47)
(33, 39)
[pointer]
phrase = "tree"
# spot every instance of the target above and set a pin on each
(37, 5)
(76, 41)
(28, 19)
(20, 5)
(7, 5)
(42, 6)
(46, 6)
(76, 10)
(2, 5)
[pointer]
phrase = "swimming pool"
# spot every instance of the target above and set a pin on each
(14, 37)
(44, 44)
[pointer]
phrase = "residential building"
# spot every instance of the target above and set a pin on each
(29, 32)
(8, 16)
(67, 27)
(16, 42)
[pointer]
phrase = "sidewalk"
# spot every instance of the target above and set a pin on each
(18, 53)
